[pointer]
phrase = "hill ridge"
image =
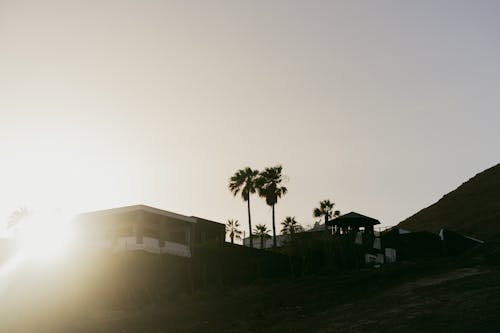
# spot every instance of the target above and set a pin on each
(473, 208)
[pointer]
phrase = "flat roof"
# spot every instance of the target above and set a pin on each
(127, 209)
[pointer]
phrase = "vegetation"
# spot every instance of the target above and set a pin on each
(290, 226)
(244, 182)
(133, 293)
(19, 216)
(269, 185)
(324, 210)
(262, 232)
(232, 228)
(225, 287)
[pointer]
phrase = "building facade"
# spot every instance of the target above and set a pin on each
(146, 228)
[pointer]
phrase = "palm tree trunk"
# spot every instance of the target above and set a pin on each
(249, 222)
(261, 242)
(232, 238)
(274, 230)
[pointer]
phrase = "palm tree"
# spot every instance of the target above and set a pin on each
(19, 216)
(232, 227)
(270, 188)
(244, 181)
(261, 232)
(290, 226)
(325, 210)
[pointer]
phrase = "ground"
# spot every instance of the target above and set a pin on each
(446, 295)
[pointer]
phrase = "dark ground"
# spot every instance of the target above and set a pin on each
(458, 294)
(447, 295)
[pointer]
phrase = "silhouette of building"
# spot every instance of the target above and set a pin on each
(354, 222)
(268, 241)
(455, 243)
(146, 228)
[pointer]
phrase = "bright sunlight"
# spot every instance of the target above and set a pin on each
(44, 236)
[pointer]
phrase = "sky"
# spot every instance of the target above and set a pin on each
(380, 106)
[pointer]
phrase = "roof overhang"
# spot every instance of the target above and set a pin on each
(353, 219)
(144, 208)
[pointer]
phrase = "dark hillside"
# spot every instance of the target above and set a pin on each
(472, 209)
(428, 296)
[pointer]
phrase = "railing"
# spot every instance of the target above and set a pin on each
(151, 245)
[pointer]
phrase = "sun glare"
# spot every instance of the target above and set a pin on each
(44, 236)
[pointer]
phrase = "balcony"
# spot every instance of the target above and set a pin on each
(151, 245)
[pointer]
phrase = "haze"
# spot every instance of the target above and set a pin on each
(380, 106)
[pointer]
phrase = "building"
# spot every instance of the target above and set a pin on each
(354, 222)
(146, 228)
(348, 224)
(267, 243)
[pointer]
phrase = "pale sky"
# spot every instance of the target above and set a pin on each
(380, 106)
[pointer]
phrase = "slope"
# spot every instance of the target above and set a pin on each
(472, 209)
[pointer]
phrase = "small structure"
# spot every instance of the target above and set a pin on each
(353, 222)
(412, 245)
(268, 241)
(146, 228)
(455, 243)
(425, 244)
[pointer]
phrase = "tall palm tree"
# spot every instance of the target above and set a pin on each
(269, 185)
(290, 226)
(232, 227)
(325, 210)
(261, 231)
(243, 181)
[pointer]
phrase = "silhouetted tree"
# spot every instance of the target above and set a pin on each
(243, 181)
(325, 210)
(232, 228)
(269, 185)
(290, 226)
(262, 232)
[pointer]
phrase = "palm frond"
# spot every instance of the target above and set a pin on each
(18, 216)
(269, 184)
(290, 226)
(243, 181)
(325, 209)
(261, 230)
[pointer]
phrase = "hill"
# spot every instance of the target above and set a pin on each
(472, 209)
